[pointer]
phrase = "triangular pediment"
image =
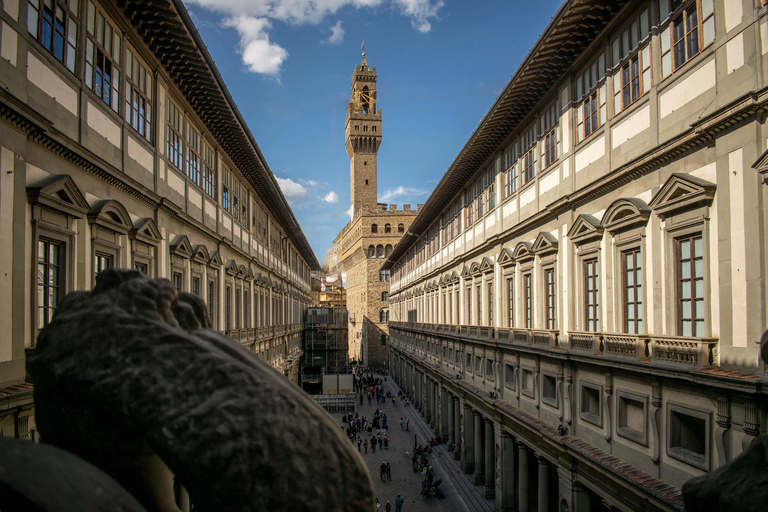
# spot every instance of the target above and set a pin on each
(180, 246)
(200, 254)
(625, 213)
(59, 192)
(455, 277)
(465, 272)
(522, 251)
(486, 265)
(241, 271)
(545, 243)
(505, 258)
(761, 164)
(231, 267)
(249, 275)
(215, 260)
(145, 230)
(586, 228)
(682, 192)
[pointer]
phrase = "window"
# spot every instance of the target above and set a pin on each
(228, 308)
(590, 92)
(384, 316)
(688, 436)
(138, 95)
(690, 285)
(633, 291)
(631, 62)
(528, 301)
(383, 340)
(469, 305)
(384, 275)
(400, 228)
(141, 267)
(209, 173)
(237, 308)
(590, 404)
(102, 262)
(526, 383)
(490, 303)
(509, 376)
(371, 251)
(591, 295)
(510, 173)
(510, 301)
(489, 370)
(528, 166)
(54, 24)
(387, 228)
(102, 57)
(689, 31)
(549, 124)
(196, 286)
(468, 363)
(384, 296)
(192, 150)
(379, 251)
(479, 304)
(374, 228)
(631, 417)
(177, 281)
(549, 298)
(549, 389)
(50, 279)
(173, 144)
(212, 301)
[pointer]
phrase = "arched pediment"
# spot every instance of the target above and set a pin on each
(110, 214)
(455, 277)
(585, 229)
(682, 192)
(180, 246)
(474, 268)
(545, 243)
(249, 275)
(522, 251)
(505, 258)
(625, 213)
(145, 231)
(241, 271)
(200, 254)
(59, 192)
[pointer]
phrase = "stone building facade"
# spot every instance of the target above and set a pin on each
(120, 146)
(360, 248)
(579, 306)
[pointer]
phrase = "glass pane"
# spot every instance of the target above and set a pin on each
(32, 20)
(685, 249)
(687, 328)
(633, 37)
(666, 65)
(709, 31)
(91, 18)
(116, 47)
(73, 5)
(647, 80)
(707, 8)
(699, 287)
(685, 270)
(663, 9)
(698, 267)
(631, 311)
(615, 52)
(685, 290)
(630, 276)
(699, 328)
(698, 247)
(665, 40)
(686, 308)
(639, 311)
(644, 23)
(630, 295)
(699, 308)
(40, 273)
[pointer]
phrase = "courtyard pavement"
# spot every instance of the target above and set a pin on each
(460, 494)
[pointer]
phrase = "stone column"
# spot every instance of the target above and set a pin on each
(451, 431)
(543, 484)
(479, 477)
(457, 428)
(490, 486)
(522, 492)
(435, 412)
(505, 484)
(468, 442)
(428, 400)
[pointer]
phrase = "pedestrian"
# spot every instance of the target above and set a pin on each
(406, 422)
(401, 424)
(389, 471)
(387, 507)
(377, 503)
(373, 444)
(361, 399)
(365, 444)
(399, 503)
(381, 443)
(383, 470)
(359, 442)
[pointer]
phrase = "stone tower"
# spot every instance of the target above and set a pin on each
(363, 137)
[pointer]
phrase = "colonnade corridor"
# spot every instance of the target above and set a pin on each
(511, 472)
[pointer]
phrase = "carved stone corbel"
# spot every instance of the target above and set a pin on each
(608, 391)
(723, 430)
(567, 400)
(751, 424)
(656, 421)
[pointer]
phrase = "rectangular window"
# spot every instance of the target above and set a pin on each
(510, 302)
(509, 376)
(174, 138)
(590, 404)
(550, 148)
(510, 173)
(632, 62)
(690, 285)
(529, 167)
(138, 95)
(102, 262)
(631, 417)
(141, 267)
(688, 437)
(490, 303)
(50, 279)
(237, 308)
(479, 291)
(102, 57)
(549, 389)
(591, 302)
(633, 291)
(590, 92)
(192, 150)
(177, 281)
(691, 29)
(209, 170)
(528, 301)
(212, 302)
(54, 24)
(384, 276)
(228, 309)
(469, 305)
(549, 297)
(196, 286)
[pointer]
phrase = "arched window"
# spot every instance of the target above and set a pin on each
(371, 251)
(400, 228)
(385, 296)
(387, 228)
(379, 251)
(384, 315)
(374, 228)
(365, 98)
(387, 251)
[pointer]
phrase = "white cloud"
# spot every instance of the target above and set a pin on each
(331, 197)
(401, 191)
(252, 18)
(258, 52)
(350, 212)
(291, 190)
(337, 34)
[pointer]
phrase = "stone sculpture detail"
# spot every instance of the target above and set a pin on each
(130, 378)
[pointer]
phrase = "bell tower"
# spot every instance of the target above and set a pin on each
(363, 136)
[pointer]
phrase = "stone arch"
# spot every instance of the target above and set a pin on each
(401, 228)
(387, 228)
(387, 250)
(379, 251)
(371, 251)
(374, 228)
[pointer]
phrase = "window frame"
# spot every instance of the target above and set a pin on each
(591, 324)
(701, 461)
(72, 20)
(92, 44)
(550, 297)
(637, 288)
(594, 418)
(138, 99)
(680, 286)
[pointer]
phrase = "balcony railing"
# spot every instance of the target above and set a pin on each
(677, 351)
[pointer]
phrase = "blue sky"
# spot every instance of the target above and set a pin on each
(288, 64)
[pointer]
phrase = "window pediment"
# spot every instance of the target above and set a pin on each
(231, 268)
(505, 258)
(465, 272)
(59, 193)
(474, 268)
(180, 246)
(455, 277)
(586, 229)
(215, 260)
(486, 265)
(241, 272)
(522, 251)
(545, 243)
(625, 213)
(110, 214)
(682, 192)
(146, 231)
(761, 164)
(249, 275)
(200, 254)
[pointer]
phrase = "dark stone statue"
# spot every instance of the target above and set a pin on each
(130, 378)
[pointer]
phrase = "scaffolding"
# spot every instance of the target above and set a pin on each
(326, 347)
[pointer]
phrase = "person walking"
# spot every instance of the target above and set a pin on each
(387, 507)
(359, 442)
(401, 424)
(382, 470)
(365, 444)
(373, 444)
(406, 422)
(399, 503)
(389, 471)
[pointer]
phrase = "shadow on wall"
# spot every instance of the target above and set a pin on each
(374, 344)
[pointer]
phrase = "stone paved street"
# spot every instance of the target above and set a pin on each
(460, 494)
